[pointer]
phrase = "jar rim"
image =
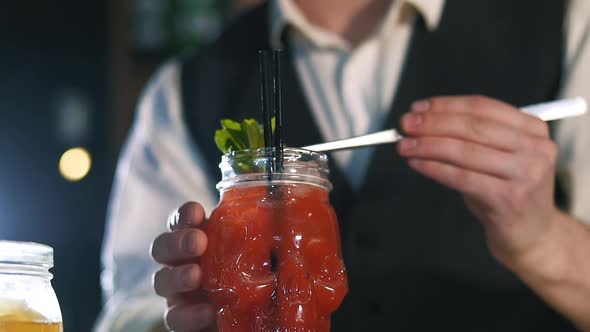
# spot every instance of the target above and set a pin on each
(26, 253)
(266, 150)
(251, 166)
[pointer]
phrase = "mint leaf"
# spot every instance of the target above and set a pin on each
(224, 141)
(234, 130)
(233, 136)
(230, 124)
(253, 132)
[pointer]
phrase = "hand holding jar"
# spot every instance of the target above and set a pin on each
(272, 260)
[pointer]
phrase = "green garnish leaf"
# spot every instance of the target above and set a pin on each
(254, 133)
(233, 135)
(237, 135)
(224, 141)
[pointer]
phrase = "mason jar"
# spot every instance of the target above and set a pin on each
(273, 260)
(27, 300)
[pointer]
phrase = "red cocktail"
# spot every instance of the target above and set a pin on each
(273, 260)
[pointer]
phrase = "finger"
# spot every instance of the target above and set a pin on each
(190, 297)
(173, 280)
(189, 215)
(478, 185)
(486, 107)
(189, 318)
(463, 154)
(468, 127)
(179, 246)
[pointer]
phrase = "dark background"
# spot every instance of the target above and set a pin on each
(52, 50)
(86, 54)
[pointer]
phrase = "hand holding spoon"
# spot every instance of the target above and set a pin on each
(548, 111)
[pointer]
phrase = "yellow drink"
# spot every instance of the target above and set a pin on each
(9, 326)
(17, 317)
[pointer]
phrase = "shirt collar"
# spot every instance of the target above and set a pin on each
(431, 11)
(286, 12)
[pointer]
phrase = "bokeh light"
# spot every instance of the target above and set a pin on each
(75, 164)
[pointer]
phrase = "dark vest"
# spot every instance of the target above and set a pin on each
(416, 258)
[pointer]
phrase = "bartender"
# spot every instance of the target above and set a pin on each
(464, 226)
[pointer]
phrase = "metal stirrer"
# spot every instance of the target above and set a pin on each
(554, 110)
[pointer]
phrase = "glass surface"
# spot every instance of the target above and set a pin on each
(273, 260)
(26, 253)
(27, 300)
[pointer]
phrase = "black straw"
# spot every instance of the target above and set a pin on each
(271, 87)
(278, 108)
(265, 89)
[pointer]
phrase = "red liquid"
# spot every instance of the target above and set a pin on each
(273, 260)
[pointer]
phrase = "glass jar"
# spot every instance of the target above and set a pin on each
(273, 259)
(27, 300)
